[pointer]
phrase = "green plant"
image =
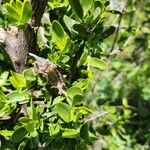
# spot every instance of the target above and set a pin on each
(38, 116)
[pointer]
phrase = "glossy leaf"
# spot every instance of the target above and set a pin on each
(18, 96)
(84, 132)
(59, 36)
(97, 63)
(57, 3)
(26, 11)
(76, 6)
(17, 80)
(73, 91)
(29, 75)
(6, 133)
(22, 145)
(82, 110)
(63, 111)
(18, 12)
(86, 5)
(83, 58)
(70, 133)
(78, 99)
(19, 134)
(69, 22)
(54, 129)
(3, 78)
(58, 99)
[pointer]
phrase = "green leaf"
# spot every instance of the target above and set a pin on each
(82, 84)
(65, 58)
(58, 35)
(33, 114)
(69, 133)
(26, 11)
(57, 3)
(82, 110)
(18, 96)
(97, 63)
(76, 6)
(71, 92)
(24, 120)
(86, 5)
(19, 134)
(3, 78)
(89, 72)
(12, 11)
(2, 96)
(6, 133)
(63, 111)
(29, 75)
(54, 129)
(84, 132)
(18, 12)
(82, 30)
(18, 6)
(108, 32)
(22, 145)
(58, 99)
(83, 58)
(78, 99)
(69, 22)
(17, 80)
(12, 18)
(6, 108)
(30, 126)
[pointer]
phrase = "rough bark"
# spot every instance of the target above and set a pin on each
(38, 8)
(19, 43)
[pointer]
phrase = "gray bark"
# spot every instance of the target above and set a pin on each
(20, 42)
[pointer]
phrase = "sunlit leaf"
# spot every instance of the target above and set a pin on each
(6, 133)
(54, 129)
(83, 110)
(58, 35)
(29, 75)
(86, 5)
(69, 133)
(76, 6)
(97, 63)
(18, 81)
(18, 96)
(63, 111)
(3, 78)
(18, 12)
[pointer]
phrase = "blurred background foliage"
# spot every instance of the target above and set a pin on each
(122, 94)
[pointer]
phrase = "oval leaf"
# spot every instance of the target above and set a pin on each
(58, 35)
(86, 5)
(97, 63)
(84, 132)
(70, 133)
(17, 80)
(76, 6)
(18, 96)
(19, 134)
(63, 111)
(29, 75)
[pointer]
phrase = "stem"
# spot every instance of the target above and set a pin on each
(116, 33)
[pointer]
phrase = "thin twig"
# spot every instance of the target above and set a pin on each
(116, 33)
